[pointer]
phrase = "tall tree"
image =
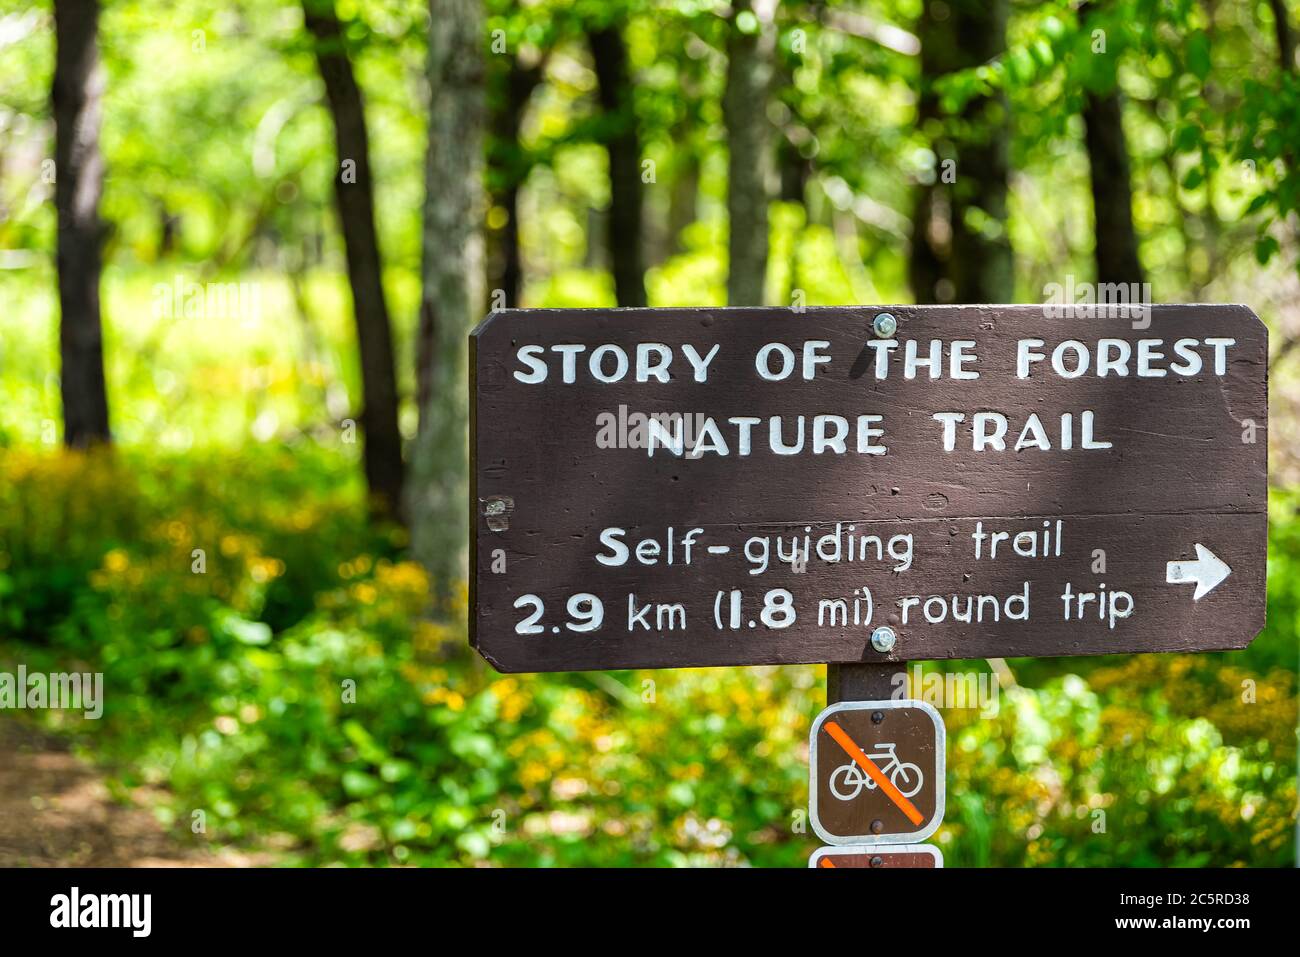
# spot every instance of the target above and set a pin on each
(751, 46)
(77, 96)
(793, 169)
(614, 87)
(960, 248)
(452, 297)
(1285, 35)
(508, 166)
(354, 195)
(683, 200)
(1116, 245)
(1115, 242)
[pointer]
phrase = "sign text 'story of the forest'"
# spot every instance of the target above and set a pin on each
(690, 487)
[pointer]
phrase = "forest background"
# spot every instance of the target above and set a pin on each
(241, 246)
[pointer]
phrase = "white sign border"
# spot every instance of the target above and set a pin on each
(930, 849)
(941, 769)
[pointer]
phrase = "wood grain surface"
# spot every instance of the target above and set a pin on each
(1187, 465)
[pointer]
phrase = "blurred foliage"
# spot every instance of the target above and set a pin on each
(292, 690)
(227, 687)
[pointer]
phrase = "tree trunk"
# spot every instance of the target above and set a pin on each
(795, 172)
(1116, 251)
(960, 248)
(354, 193)
(749, 159)
(511, 279)
(793, 169)
(452, 295)
(79, 178)
(683, 201)
(510, 167)
(609, 55)
(1285, 36)
(930, 235)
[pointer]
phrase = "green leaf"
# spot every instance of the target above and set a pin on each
(358, 784)
(1187, 138)
(241, 629)
(1265, 247)
(1198, 55)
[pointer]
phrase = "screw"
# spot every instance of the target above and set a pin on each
(877, 717)
(877, 827)
(884, 325)
(877, 861)
(883, 638)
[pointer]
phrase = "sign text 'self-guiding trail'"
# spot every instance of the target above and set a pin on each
(693, 487)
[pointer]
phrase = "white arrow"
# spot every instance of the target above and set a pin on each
(1207, 571)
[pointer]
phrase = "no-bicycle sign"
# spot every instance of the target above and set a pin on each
(691, 487)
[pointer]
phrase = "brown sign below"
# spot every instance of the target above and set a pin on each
(877, 856)
(877, 772)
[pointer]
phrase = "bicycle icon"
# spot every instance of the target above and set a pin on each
(849, 780)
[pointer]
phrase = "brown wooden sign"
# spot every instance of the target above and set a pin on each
(876, 772)
(692, 487)
(877, 857)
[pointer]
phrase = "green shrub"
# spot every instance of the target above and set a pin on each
(294, 691)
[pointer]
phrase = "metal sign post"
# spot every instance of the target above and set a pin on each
(876, 771)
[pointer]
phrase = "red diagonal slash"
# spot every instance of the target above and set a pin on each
(887, 786)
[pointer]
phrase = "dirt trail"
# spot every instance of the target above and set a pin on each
(56, 811)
